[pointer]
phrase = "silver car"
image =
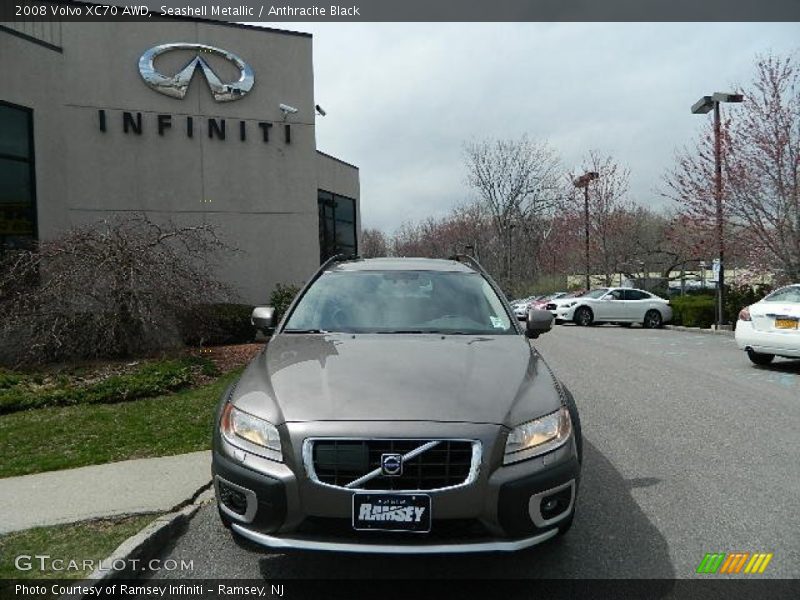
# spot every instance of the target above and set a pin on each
(399, 407)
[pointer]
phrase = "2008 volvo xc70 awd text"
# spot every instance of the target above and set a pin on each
(398, 408)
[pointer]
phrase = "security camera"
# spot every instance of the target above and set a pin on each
(288, 110)
(320, 110)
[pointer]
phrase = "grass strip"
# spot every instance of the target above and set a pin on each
(56, 438)
(85, 544)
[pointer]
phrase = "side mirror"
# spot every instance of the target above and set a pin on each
(539, 322)
(263, 318)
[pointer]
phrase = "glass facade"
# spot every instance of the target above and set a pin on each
(17, 181)
(337, 225)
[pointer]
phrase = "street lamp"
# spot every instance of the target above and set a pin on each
(583, 182)
(702, 107)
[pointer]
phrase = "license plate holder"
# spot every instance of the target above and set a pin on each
(785, 323)
(392, 512)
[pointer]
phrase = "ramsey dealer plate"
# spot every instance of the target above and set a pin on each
(392, 512)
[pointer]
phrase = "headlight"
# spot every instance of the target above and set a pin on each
(538, 436)
(250, 433)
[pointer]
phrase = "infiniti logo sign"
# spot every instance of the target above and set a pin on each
(178, 84)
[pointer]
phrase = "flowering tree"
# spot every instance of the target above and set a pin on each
(760, 145)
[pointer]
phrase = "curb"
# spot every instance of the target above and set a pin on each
(728, 332)
(142, 547)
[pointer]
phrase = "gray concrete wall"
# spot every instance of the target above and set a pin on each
(263, 196)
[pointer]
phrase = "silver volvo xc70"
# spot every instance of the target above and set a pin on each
(398, 408)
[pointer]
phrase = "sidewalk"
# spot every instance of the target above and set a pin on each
(127, 487)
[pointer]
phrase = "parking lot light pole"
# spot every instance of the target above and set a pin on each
(583, 182)
(701, 107)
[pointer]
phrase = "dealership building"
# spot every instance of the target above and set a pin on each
(184, 120)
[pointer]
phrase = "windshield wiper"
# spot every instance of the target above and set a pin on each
(305, 331)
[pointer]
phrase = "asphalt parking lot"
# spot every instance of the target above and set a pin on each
(689, 449)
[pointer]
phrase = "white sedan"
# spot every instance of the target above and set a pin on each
(769, 328)
(614, 305)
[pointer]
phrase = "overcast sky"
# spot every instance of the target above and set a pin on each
(402, 98)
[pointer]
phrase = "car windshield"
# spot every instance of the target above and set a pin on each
(596, 293)
(400, 302)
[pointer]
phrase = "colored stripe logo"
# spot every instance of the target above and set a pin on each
(734, 563)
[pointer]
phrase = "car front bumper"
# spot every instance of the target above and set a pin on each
(564, 313)
(500, 511)
(779, 343)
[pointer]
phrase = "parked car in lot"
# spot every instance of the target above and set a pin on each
(521, 306)
(398, 408)
(624, 306)
(553, 304)
(769, 328)
(542, 301)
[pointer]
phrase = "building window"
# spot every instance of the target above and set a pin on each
(337, 225)
(17, 183)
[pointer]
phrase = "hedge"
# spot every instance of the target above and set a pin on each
(19, 391)
(217, 325)
(694, 311)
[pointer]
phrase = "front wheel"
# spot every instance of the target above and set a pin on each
(757, 358)
(584, 316)
(653, 320)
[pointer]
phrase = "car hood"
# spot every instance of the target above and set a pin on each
(391, 377)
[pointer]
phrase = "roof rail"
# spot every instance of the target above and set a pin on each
(469, 259)
(337, 258)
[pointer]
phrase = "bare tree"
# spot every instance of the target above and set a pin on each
(373, 243)
(517, 181)
(114, 288)
(610, 213)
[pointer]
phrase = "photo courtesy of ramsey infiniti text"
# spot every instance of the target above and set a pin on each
(399, 407)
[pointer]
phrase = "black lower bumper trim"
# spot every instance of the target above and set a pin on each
(512, 507)
(271, 493)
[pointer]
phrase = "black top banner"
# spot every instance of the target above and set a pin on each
(406, 10)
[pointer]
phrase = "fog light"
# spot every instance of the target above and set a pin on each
(549, 506)
(554, 505)
(233, 499)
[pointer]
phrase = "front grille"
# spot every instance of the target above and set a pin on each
(339, 462)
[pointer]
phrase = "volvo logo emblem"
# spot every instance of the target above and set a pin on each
(178, 84)
(392, 465)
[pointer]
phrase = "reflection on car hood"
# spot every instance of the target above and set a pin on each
(390, 377)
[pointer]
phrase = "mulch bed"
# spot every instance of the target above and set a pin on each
(228, 358)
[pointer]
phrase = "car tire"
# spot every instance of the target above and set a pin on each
(653, 319)
(759, 358)
(584, 316)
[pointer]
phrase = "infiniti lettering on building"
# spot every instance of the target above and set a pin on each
(184, 121)
(177, 85)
